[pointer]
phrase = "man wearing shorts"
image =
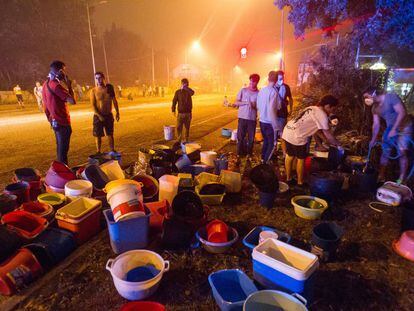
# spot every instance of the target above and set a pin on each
(390, 108)
(19, 95)
(102, 96)
(37, 91)
(311, 120)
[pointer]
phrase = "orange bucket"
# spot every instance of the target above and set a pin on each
(217, 231)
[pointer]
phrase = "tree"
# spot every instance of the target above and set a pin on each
(377, 24)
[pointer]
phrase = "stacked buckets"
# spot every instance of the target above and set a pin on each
(125, 198)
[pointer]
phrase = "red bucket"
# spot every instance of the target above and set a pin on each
(35, 189)
(21, 190)
(142, 306)
(217, 231)
(25, 224)
(18, 271)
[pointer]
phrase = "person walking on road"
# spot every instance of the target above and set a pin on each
(297, 132)
(268, 104)
(56, 92)
(398, 131)
(182, 99)
(19, 95)
(37, 91)
(247, 114)
(102, 96)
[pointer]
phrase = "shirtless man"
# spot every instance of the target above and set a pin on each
(102, 96)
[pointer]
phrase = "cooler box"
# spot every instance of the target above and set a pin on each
(280, 266)
(81, 217)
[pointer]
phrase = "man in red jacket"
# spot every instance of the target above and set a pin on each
(57, 91)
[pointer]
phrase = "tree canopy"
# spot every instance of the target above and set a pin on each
(378, 24)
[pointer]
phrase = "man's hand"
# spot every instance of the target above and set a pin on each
(101, 118)
(117, 117)
(392, 133)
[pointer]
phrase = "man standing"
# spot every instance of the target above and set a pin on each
(390, 108)
(286, 100)
(102, 96)
(182, 98)
(247, 114)
(19, 95)
(268, 103)
(311, 120)
(56, 93)
(37, 91)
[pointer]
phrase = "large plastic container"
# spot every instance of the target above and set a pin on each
(277, 265)
(128, 234)
(113, 170)
(169, 132)
(53, 246)
(251, 240)
(25, 224)
(208, 157)
(168, 187)
(78, 188)
(231, 288)
(121, 265)
(232, 181)
(81, 217)
(210, 199)
(19, 271)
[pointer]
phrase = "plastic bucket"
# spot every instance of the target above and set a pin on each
(169, 131)
(217, 248)
(326, 185)
(129, 234)
(231, 288)
(38, 208)
(158, 211)
(160, 168)
(267, 300)
(26, 174)
(113, 170)
(125, 198)
(51, 189)
(58, 175)
(325, 239)
(8, 203)
(267, 199)
(21, 190)
(142, 306)
(309, 207)
(19, 271)
(124, 263)
(364, 182)
(78, 188)
(225, 132)
(232, 181)
(25, 224)
(182, 162)
(35, 189)
(208, 157)
(96, 176)
(149, 186)
(217, 231)
(187, 205)
(263, 176)
(220, 164)
(168, 187)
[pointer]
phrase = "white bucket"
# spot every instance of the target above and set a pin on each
(233, 135)
(78, 188)
(113, 170)
(169, 131)
(121, 265)
(168, 187)
(125, 201)
(190, 147)
(208, 157)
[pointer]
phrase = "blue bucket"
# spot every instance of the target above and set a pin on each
(267, 199)
(231, 288)
(220, 164)
(128, 234)
(226, 132)
(251, 240)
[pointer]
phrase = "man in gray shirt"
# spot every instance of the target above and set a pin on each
(390, 108)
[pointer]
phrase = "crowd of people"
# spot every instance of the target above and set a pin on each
(272, 106)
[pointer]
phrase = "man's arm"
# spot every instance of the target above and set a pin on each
(47, 112)
(174, 102)
(239, 101)
(115, 101)
(191, 91)
(401, 113)
(330, 138)
(376, 124)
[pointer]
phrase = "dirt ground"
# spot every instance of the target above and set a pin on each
(366, 274)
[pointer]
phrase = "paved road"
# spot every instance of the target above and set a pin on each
(26, 140)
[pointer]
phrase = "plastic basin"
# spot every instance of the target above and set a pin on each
(25, 224)
(309, 207)
(217, 248)
(273, 300)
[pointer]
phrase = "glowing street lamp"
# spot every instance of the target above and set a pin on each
(243, 52)
(196, 46)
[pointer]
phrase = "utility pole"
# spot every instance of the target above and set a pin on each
(106, 61)
(281, 64)
(90, 39)
(153, 67)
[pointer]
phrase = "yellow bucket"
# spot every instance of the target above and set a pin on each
(120, 182)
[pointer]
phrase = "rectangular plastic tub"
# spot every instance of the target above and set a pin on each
(278, 265)
(128, 234)
(214, 199)
(251, 240)
(81, 217)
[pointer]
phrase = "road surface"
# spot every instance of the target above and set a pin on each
(26, 139)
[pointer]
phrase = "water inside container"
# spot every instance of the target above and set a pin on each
(309, 203)
(142, 273)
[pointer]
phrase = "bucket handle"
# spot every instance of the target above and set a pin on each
(300, 298)
(109, 264)
(166, 265)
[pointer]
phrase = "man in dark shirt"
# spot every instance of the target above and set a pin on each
(56, 93)
(183, 99)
